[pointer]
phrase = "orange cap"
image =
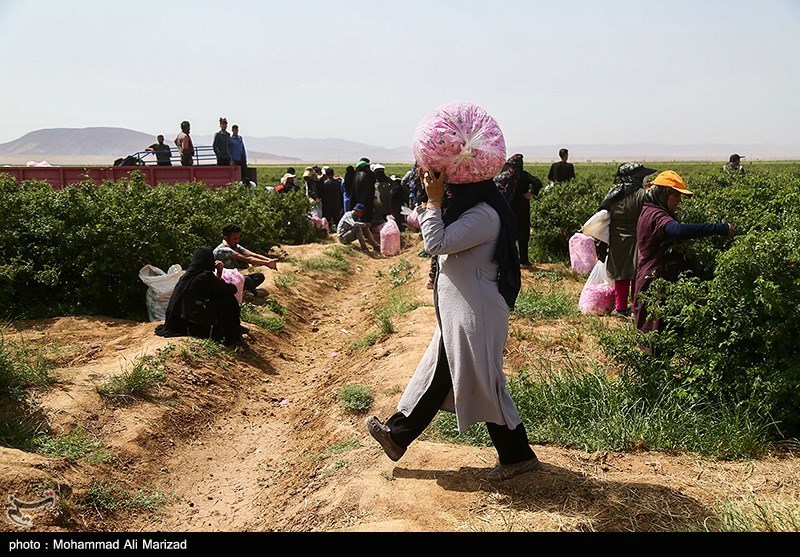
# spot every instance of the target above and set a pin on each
(670, 179)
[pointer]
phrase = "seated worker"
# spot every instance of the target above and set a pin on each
(235, 256)
(352, 228)
(202, 305)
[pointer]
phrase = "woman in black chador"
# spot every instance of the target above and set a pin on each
(202, 305)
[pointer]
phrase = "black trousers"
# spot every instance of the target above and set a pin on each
(223, 162)
(511, 444)
(523, 237)
(243, 165)
(252, 281)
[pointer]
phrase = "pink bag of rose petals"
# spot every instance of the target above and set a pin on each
(597, 296)
(234, 277)
(390, 238)
(582, 253)
(462, 140)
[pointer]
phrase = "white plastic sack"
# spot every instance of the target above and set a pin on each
(597, 296)
(582, 253)
(160, 287)
(597, 225)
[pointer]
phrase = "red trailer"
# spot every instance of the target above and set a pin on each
(202, 171)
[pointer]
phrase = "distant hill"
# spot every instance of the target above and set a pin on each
(103, 145)
(105, 142)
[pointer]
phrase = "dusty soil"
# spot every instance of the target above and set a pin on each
(257, 440)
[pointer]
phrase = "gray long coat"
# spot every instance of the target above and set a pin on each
(472, 319)
(621, 261)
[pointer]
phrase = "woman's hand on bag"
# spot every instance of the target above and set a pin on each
(434, 186)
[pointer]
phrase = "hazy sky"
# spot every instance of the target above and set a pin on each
(550, 72)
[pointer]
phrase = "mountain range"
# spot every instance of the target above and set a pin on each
(102, 145)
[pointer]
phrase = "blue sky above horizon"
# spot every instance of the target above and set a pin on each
(569, 72)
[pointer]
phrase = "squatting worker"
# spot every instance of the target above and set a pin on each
(351, 227)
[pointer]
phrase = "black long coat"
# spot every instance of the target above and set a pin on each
(332, 200)
(364, 191)
(203, 305)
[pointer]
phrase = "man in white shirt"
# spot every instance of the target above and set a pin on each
(235, 256)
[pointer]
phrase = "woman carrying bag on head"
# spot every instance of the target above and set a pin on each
(475, 288)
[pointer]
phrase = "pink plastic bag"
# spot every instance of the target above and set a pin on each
(390, 238)
(597, 296)
(318, 222)
(234, 277)
(462, 139)
(582, 253)
(412, 219)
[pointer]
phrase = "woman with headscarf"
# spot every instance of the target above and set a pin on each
(312, 188)
(347, 188)
(364, 189)
(657, 232)
(202, 305)
(519, 186)
(624, 203)
(476, 287)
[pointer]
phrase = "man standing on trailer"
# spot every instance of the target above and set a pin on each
(238, 153)
(184, 144)
(222, 143)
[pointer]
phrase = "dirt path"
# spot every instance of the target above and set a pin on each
(259, 442)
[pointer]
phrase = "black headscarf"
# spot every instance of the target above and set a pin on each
(510, 175)
(349, 173)
(630, 177)
(465, 196)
